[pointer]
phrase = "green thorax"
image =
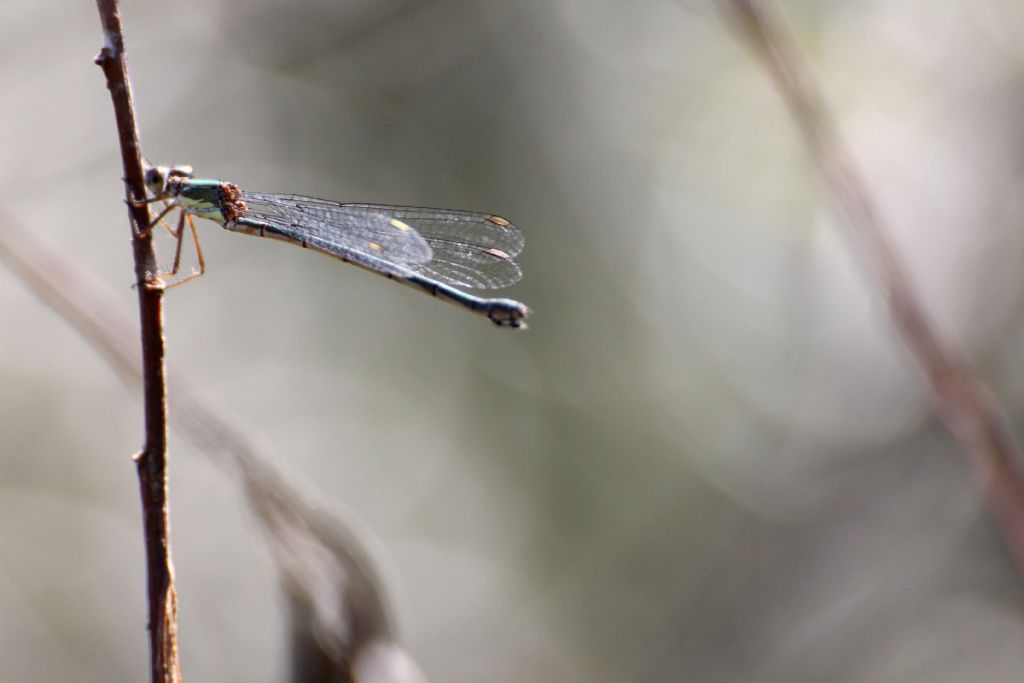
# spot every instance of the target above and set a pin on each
(211, 199)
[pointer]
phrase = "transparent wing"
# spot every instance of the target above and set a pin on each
(469, 249)
(344, 230)
(461, 248)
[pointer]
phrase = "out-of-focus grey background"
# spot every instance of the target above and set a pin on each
(709, 458)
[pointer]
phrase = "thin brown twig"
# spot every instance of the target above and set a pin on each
(151, 462)
(334, 622)
(966, 406)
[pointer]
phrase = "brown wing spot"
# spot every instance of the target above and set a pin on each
(231, 204)
(374, 246)
(498, 220)
(498, 254)
(404, 227)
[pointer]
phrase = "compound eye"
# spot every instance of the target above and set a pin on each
(154, 176)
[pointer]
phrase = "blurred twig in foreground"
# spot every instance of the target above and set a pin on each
(340, 630)
(965, 405)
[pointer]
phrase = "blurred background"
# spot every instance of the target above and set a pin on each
(710, 458)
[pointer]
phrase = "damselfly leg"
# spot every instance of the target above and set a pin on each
(156, 279)
(182, 220)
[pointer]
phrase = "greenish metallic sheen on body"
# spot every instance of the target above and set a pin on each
(433, 250)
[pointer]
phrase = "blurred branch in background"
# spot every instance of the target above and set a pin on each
(967, 408)
(341, 630)
(151, 462)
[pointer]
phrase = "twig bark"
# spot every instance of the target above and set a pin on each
(151, 462)
(967, 408)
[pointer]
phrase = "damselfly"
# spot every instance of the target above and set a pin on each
(433, 250)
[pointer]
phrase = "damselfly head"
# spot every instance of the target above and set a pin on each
(161, 179)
